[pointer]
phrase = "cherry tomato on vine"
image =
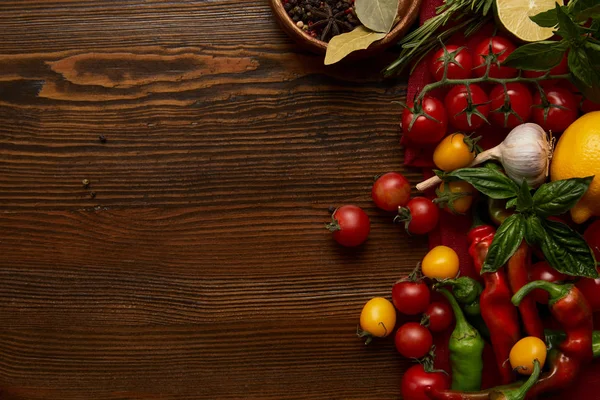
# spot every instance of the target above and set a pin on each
(438, 317)
(430, 124)
(377, 318)
(391, 191)
(589, 106)
(419, 377)
(542, 271)
(420, 216)
(413, 340)
(525, 351)
(501, 48)
(459, 63)
(454, 151)
(558, 112)
(457, 201)
(459, 107)
(561, 69)
(519, 103)
(440, 263)
(411, 297)
(350, 225)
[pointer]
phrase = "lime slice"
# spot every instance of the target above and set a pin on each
(514, 15)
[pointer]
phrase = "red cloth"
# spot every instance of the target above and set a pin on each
(452, 229)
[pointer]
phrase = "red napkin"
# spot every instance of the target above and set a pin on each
(452, 229)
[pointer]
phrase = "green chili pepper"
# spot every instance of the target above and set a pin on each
(466, 290)
(466, 349)
(472, 309)
(520, 392)
(497, 210)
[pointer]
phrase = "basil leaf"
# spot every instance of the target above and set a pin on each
(524, 199)
(534, 231)
(511, 203)
(590, 93)
(567, 28)
(538, 56)
(488, 181)
(546, 19)
(584, 9)
(580, 66)
(558, 197)
(592, 12)
(506, 242)
(567, 251)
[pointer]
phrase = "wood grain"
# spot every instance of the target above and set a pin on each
(199, 268)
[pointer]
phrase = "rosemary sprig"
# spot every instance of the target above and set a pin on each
(465, 13)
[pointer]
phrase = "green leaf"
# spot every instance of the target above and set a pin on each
(567, 251)
(538, 56)
(511, 203)
(568, 29)
(377, 15)
(534, 231)
(546, 19)
(506, 242)
(342, 45)
(524, 199)
(558, 197)
(584, 9)
(580, 66)
(592, 12)
(488, 181)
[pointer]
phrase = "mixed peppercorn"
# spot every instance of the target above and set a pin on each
(322, 19)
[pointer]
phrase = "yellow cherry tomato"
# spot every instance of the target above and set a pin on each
(525, 351)
(453, 152)
(378, 317)
(456, 202)
(440, 263)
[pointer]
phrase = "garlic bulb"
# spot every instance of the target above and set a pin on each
(525, 153)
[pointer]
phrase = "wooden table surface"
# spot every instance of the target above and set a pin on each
(196, 264)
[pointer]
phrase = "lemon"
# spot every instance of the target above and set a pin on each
(514, 15)
(577, 155)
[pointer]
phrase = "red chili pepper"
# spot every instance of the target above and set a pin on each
(498, 312)
(562, 373)
(571, 309)
(518, 276)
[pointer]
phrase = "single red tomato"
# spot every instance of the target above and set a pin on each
(419, 377)
(500, 50)
(350, 225)
(458, 68)
(542, 271)
(420, 215)
(413, 340)
(589, 106)
(519, 102)
(391, 191)
(560, 69)
(438, 317)
(459, 107)
(423, 129)
(557, 112)
(411, 297)
(591, 291)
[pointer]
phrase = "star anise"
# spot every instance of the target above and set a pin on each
(333, 23)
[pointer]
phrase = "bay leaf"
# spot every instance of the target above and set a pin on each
(342, 45)
(377, 15)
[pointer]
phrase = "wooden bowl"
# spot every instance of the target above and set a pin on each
(407, 9)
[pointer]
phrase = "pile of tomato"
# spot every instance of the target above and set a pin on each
(554, 111)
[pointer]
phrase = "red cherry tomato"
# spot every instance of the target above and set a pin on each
(542, 271)
(562, 110)
(501, 48)
(589, 106)
(460, 68)
(416, 379)
(560, 69)
(458, 107)
(350, 225)
(391, 191)
(420, 215)
(425, 130)
(413, 340)
(439, 315)
(411, 297)
(520, 101)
